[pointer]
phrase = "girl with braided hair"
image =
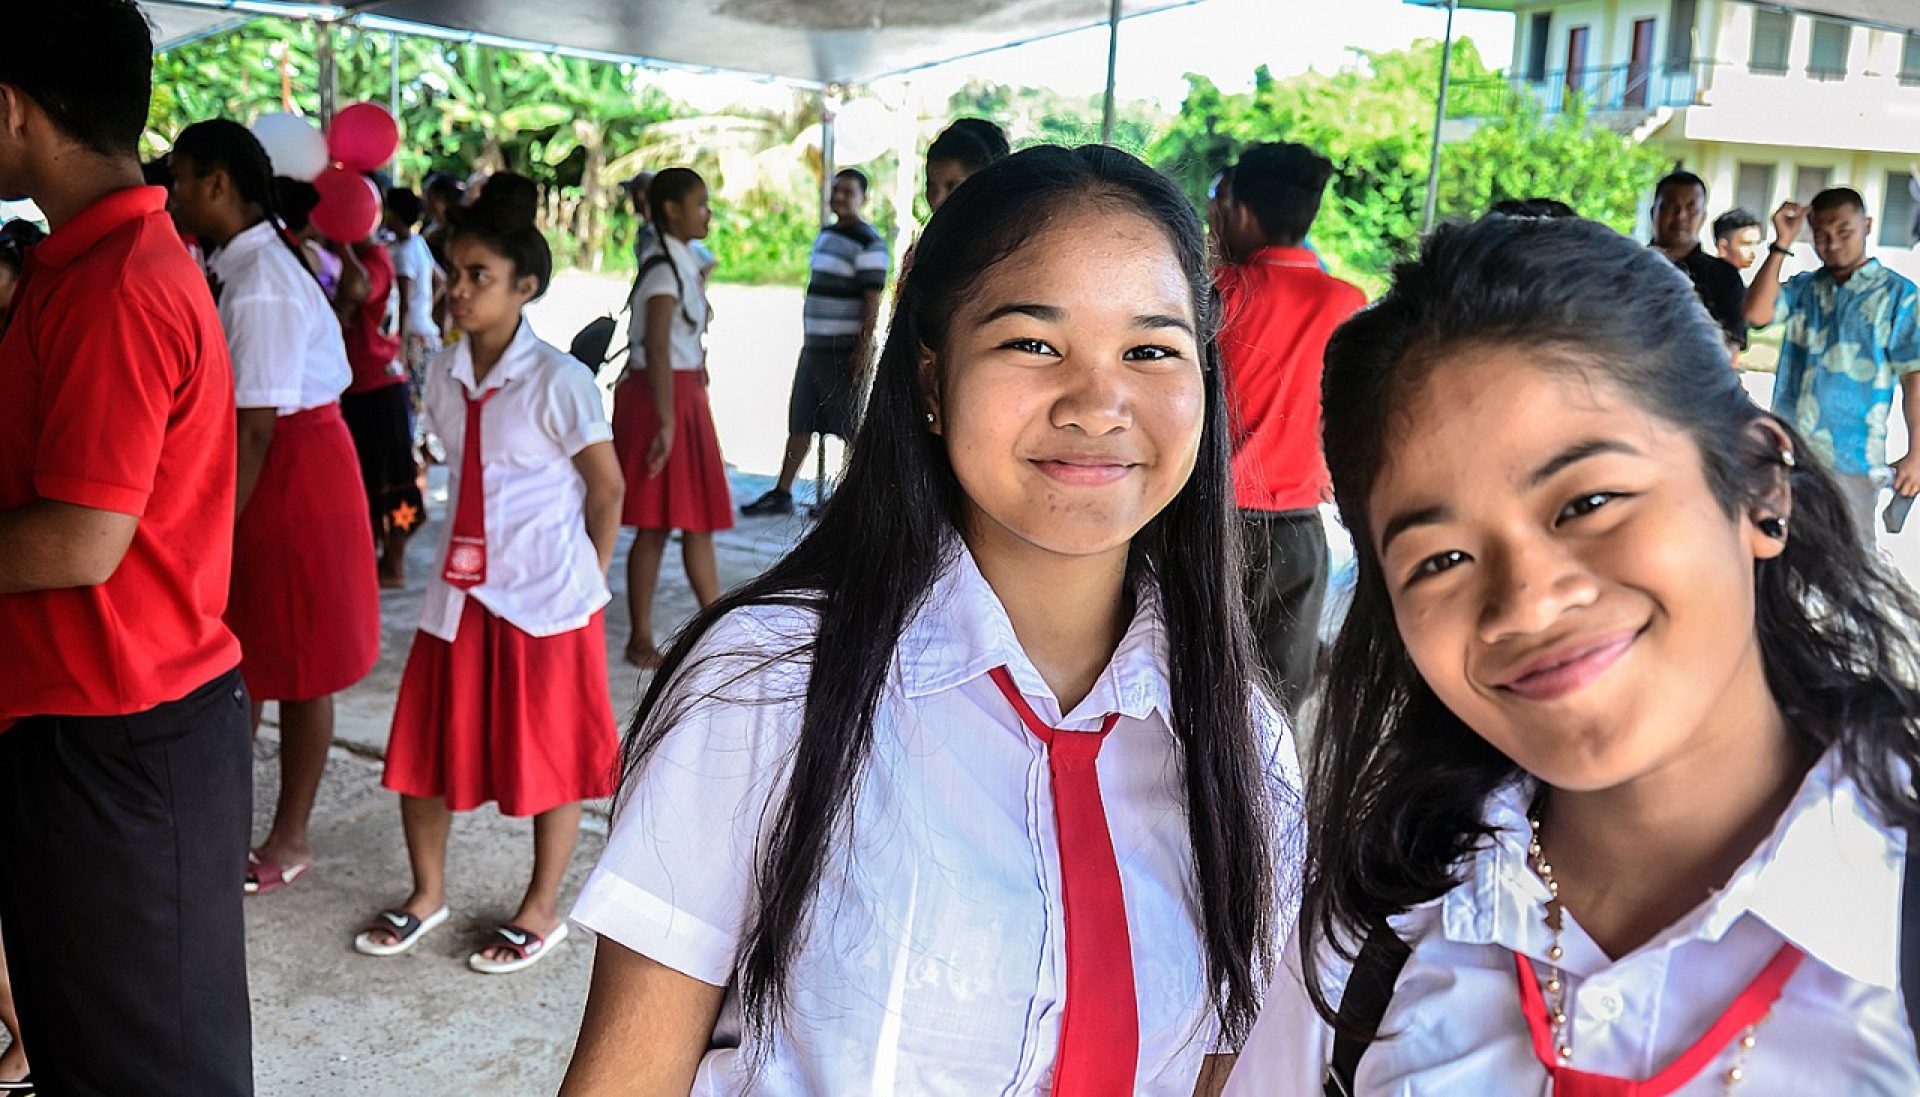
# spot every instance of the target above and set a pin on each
(304, 602)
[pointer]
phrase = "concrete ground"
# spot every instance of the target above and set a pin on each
(329, 1020)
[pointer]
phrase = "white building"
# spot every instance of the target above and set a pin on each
(1763, 104)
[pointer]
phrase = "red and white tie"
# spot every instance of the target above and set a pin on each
(467, 546)
(1100, 1022)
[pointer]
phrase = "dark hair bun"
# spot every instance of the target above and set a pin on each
(508, 201)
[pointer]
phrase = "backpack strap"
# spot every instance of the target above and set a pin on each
(1364, 1004)
(659, 258)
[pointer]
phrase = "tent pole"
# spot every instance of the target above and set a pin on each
(829, 98)
(393, 96)
(1439, 120)
(329, 79)
(1113, 63)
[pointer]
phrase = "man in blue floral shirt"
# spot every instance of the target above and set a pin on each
(1853, 332)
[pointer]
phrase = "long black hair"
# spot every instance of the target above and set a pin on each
(887, 534)
(505, 218)
(225, 145)
(1397, 783)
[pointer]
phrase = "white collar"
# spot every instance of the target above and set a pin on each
(244, 243)
(520, 353)
(1826, 879)
(961, 631)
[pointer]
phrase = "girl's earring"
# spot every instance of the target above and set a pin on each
(1773, 526)
(930, 419)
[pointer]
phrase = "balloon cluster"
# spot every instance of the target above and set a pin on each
(363, 137)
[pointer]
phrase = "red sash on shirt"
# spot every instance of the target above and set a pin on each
(467, 546)
(1100, 1021)
(1748, 1008)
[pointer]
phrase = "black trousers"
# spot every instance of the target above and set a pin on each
(123, 843)
(1286, 587)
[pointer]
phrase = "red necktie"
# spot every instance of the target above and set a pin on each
(1100, 1022)
(1748, 1008)
(467, 547)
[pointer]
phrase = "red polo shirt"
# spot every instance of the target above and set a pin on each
(116, 394)
(1277, 310)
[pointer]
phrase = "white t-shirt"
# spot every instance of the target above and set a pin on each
(1828, 880)
(936, 961)
(686, 342)
(412, 260)
(285, 341)
(543, 574)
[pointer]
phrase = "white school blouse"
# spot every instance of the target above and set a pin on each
(1828, 879)
(543, 575)
(288, 353)
(935, 961)
(686, 342)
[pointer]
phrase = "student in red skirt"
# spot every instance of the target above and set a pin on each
(662, 423)
(505, 696)
(303, 603)
(379, 408)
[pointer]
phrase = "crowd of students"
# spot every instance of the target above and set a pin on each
(989, 784)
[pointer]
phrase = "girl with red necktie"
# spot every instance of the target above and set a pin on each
(504, 697)
(1611, 785)
(974, 791)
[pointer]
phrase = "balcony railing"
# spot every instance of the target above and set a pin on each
(1614, 88)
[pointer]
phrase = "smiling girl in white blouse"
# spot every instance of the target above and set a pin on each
(1610, 789)
(972, 792)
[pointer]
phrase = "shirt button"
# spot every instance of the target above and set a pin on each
(1605, 1005)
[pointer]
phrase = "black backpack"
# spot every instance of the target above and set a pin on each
(1377, 968)
(593, 344)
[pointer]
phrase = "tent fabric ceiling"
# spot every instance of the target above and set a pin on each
(173, 26)
(818, 42)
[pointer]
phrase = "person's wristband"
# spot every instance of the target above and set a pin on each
(1776, 249)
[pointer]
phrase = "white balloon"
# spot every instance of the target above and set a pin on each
(863, 130)
(294, 144)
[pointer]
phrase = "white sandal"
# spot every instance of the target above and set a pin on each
(405, 928)
(528, 948)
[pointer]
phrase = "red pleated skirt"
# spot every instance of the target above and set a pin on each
(691, 492)
(305, 601)
(498, 715)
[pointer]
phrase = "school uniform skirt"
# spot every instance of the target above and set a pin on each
(381, 422)
(304, 601)
(691, 492)
(499, 715)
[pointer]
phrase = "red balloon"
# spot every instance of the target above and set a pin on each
(363, 137)
(349, 208)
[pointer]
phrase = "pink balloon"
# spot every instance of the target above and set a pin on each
(349, 208)
(364, 136)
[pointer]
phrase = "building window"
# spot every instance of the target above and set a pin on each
(1831, 40)
(1680, 33)
(1910, 62)
(1753, 188)
(1896, 213)
(1538, 40)
(1772, 34)
(1809, 181)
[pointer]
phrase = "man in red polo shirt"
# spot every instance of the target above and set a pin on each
(125, 767)
(1278, 309)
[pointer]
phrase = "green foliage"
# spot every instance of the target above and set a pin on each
(1375, 122)
(578, 128)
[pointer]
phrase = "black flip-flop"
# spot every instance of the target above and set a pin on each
(406, 928)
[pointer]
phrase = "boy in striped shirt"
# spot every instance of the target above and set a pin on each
(849, 269)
